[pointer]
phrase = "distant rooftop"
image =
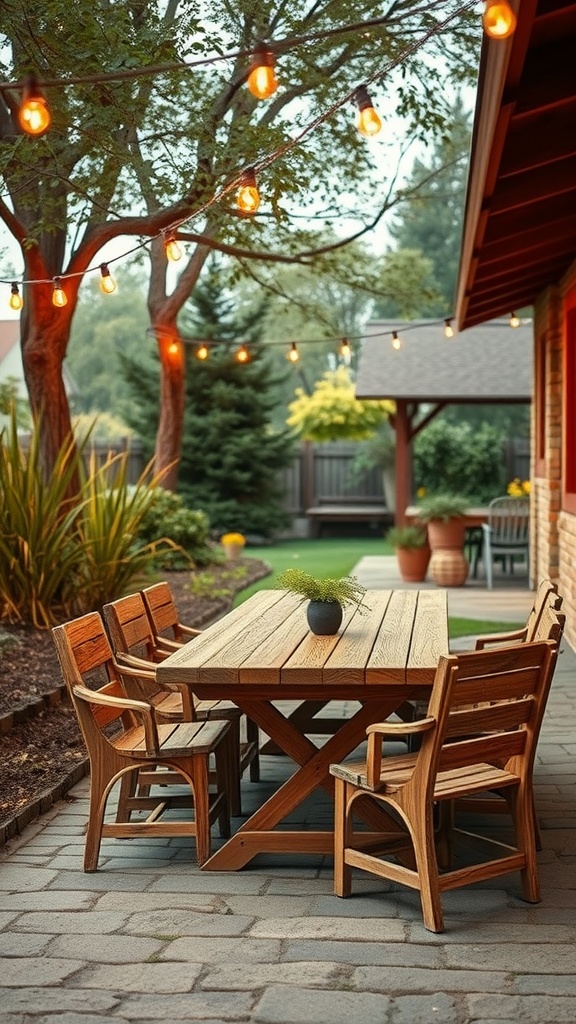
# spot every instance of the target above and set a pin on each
(488, 363)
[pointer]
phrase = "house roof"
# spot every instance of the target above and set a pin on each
(520, 221)
(490, 363)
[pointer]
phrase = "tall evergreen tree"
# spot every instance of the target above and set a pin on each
(231, 458)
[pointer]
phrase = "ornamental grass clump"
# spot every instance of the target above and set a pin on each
(345, 590)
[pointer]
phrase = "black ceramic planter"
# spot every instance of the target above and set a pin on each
(324, 617)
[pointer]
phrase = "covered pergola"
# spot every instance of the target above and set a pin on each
(489, 364)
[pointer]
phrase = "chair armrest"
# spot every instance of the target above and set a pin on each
(500, 638)
(139, 707)
(135, 667)
(189, 630)
(374, 752)
(165, 644)
(129, 665)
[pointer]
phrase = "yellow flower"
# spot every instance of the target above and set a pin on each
(233, 538)
(518, 488)
(421, 492)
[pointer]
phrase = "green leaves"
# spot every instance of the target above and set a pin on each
(63, 555)
(345, 590)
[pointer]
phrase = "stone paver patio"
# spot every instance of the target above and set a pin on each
(150, 937)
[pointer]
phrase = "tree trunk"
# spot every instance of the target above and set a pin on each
(45, 333)
(172, 402)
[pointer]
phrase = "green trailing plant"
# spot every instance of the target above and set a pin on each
(409, 537)
(345, 590)
(442, 507)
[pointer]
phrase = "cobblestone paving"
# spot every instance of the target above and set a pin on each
(149, 937)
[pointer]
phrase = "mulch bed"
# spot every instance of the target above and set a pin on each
(42, 752)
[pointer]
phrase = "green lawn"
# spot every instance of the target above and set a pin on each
(337, 557)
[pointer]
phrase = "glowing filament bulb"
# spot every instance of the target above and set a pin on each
(15, 302)
(34, 115)
(498, 19)
(368, 121)
(293, 354)
(242, 355)
(173, 250)
(248, 198)
(173, 348)
(396, 341)
(448, 329)
(514, 320)
(262, 81)
(202, 352)
(58, 295)
(107, 282)
(345, 350)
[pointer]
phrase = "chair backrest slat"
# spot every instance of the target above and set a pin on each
(518, 679)
(129, 626)
(83, 648)
(162, 610)
(509, 520)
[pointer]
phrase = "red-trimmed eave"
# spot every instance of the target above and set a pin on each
(520, 219)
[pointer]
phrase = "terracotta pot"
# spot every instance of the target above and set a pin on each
(446, 534)
(449, 567)
(413, 563)
(324, 617)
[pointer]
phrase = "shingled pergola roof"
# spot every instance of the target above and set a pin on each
(490, 363)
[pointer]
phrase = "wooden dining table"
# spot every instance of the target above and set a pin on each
(263, 654)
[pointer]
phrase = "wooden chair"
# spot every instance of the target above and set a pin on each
(134, 646)
(468, 746)
(506, 534)
(169, 635)
(124, 737)
(546, 594)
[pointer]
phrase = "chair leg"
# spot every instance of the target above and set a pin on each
(342, 838)
(427, 868)
(201, 807)
(523, 814)
(128, 784)
(225, 757)
(253, 736)
(96, 809)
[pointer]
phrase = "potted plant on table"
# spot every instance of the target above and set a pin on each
(326, 597)
(444, 516)
(412, 549)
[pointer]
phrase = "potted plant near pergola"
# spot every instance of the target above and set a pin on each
(443, 515)
(412, 549)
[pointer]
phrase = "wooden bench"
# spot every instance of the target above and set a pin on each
(337, 510)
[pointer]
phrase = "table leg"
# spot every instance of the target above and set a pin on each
(256, 835)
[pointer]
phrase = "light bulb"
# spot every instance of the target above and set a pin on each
(345, 350)
(396, 341)
(173, 250)
(368, 122)
(293, 354)
(59, 297)
(242, 355)
(16, 301)
(498, 19)
(107, 282)
(173, 348)
(202, 352)
(34, 115)
(448, 329)
(514, 321)
(262, 81)
(248, 198)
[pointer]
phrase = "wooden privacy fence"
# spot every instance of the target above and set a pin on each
(322, 473)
